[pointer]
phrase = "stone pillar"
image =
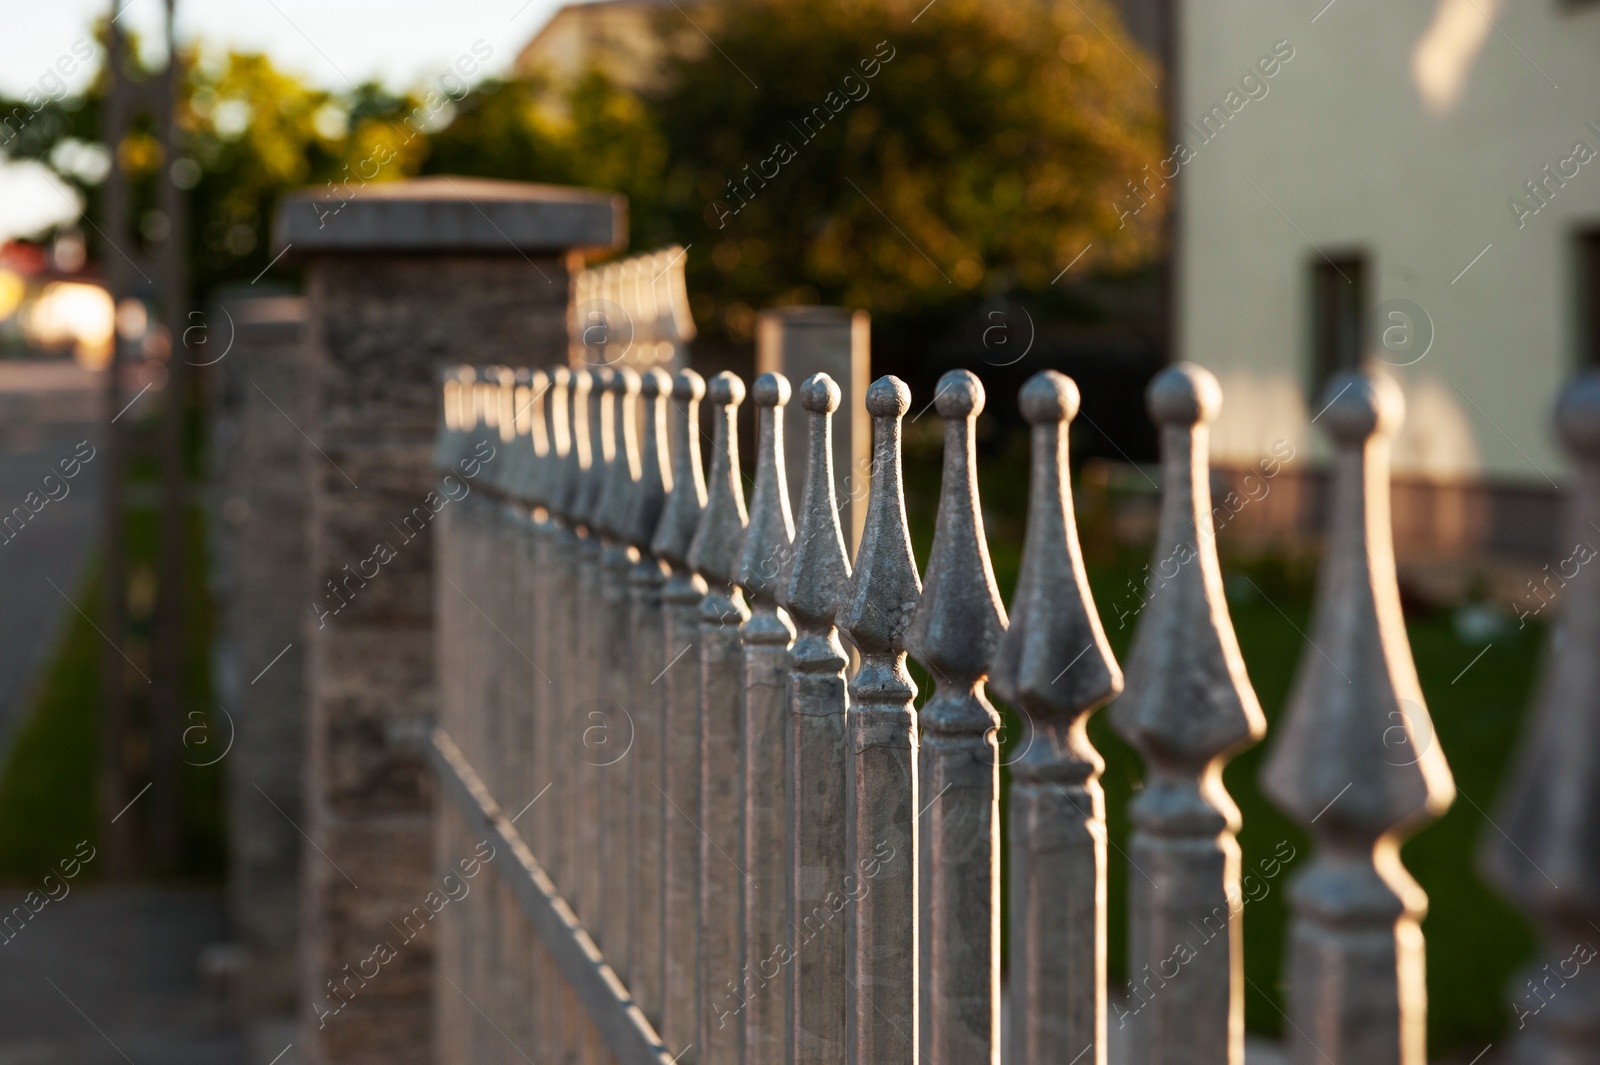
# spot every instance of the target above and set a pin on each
(402, 280)
(262, 567)
(798, 342)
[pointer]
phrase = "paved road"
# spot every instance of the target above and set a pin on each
(48, 413)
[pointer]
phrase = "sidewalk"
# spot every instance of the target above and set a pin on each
(109, 976)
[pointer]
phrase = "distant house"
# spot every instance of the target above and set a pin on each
(1415, 182)
(615, 36)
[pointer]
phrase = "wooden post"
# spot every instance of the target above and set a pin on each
(1055, 667)
(881, 825)
(955, 632)
(714, 555)
(766, 637)
(1357, 763)
(1187, 709)
(818, 767)
(1547, 858)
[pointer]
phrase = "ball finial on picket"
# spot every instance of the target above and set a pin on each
(1049, 396)
(726, 389)
(1358, 405)
(889, 397)
(1184, 394)
(687, 385)
(819, 394)
(959, 394)
(770, 390)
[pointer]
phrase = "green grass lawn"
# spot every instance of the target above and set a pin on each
(47, 793)
(48, 790)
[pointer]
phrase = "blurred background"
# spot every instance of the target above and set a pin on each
(1275, 190)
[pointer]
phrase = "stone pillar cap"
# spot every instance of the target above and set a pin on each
(449, 214)
(808, 314)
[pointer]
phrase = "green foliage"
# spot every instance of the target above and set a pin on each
(47, 792)
(914, 160)
(860, 153)
(593, 134)
(254, 131)
(50, 785)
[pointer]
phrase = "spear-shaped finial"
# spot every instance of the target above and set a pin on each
(655, 471)
(583, 459)
(681, 515)
(954, 632)
(563, 455)
(599, 416)
(540, 465)
(1188, 707)
(714, 553)
(884, 587)
(520, 476)
(813, 591)
(815, 586)
(611, 509)
(1356, 761)
(959, 619)
(455, 416)
(768, 540)
(1055, 667)
(500, 475)
(881, 963)
(484, 420)
(1548, 856)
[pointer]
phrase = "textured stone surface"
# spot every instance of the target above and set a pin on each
(261, 496)
(450, 214)
(382, 329)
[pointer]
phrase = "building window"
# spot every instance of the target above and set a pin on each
(1338, 316)
(1589, 297)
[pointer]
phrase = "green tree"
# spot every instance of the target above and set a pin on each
(867, 153)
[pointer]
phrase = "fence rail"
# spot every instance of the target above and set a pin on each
(725, 836)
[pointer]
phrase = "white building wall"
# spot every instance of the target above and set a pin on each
(1359, 144)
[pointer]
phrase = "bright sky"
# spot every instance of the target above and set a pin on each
(332, 43)
(327, 41)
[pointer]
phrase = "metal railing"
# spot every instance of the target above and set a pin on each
(714, 842)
